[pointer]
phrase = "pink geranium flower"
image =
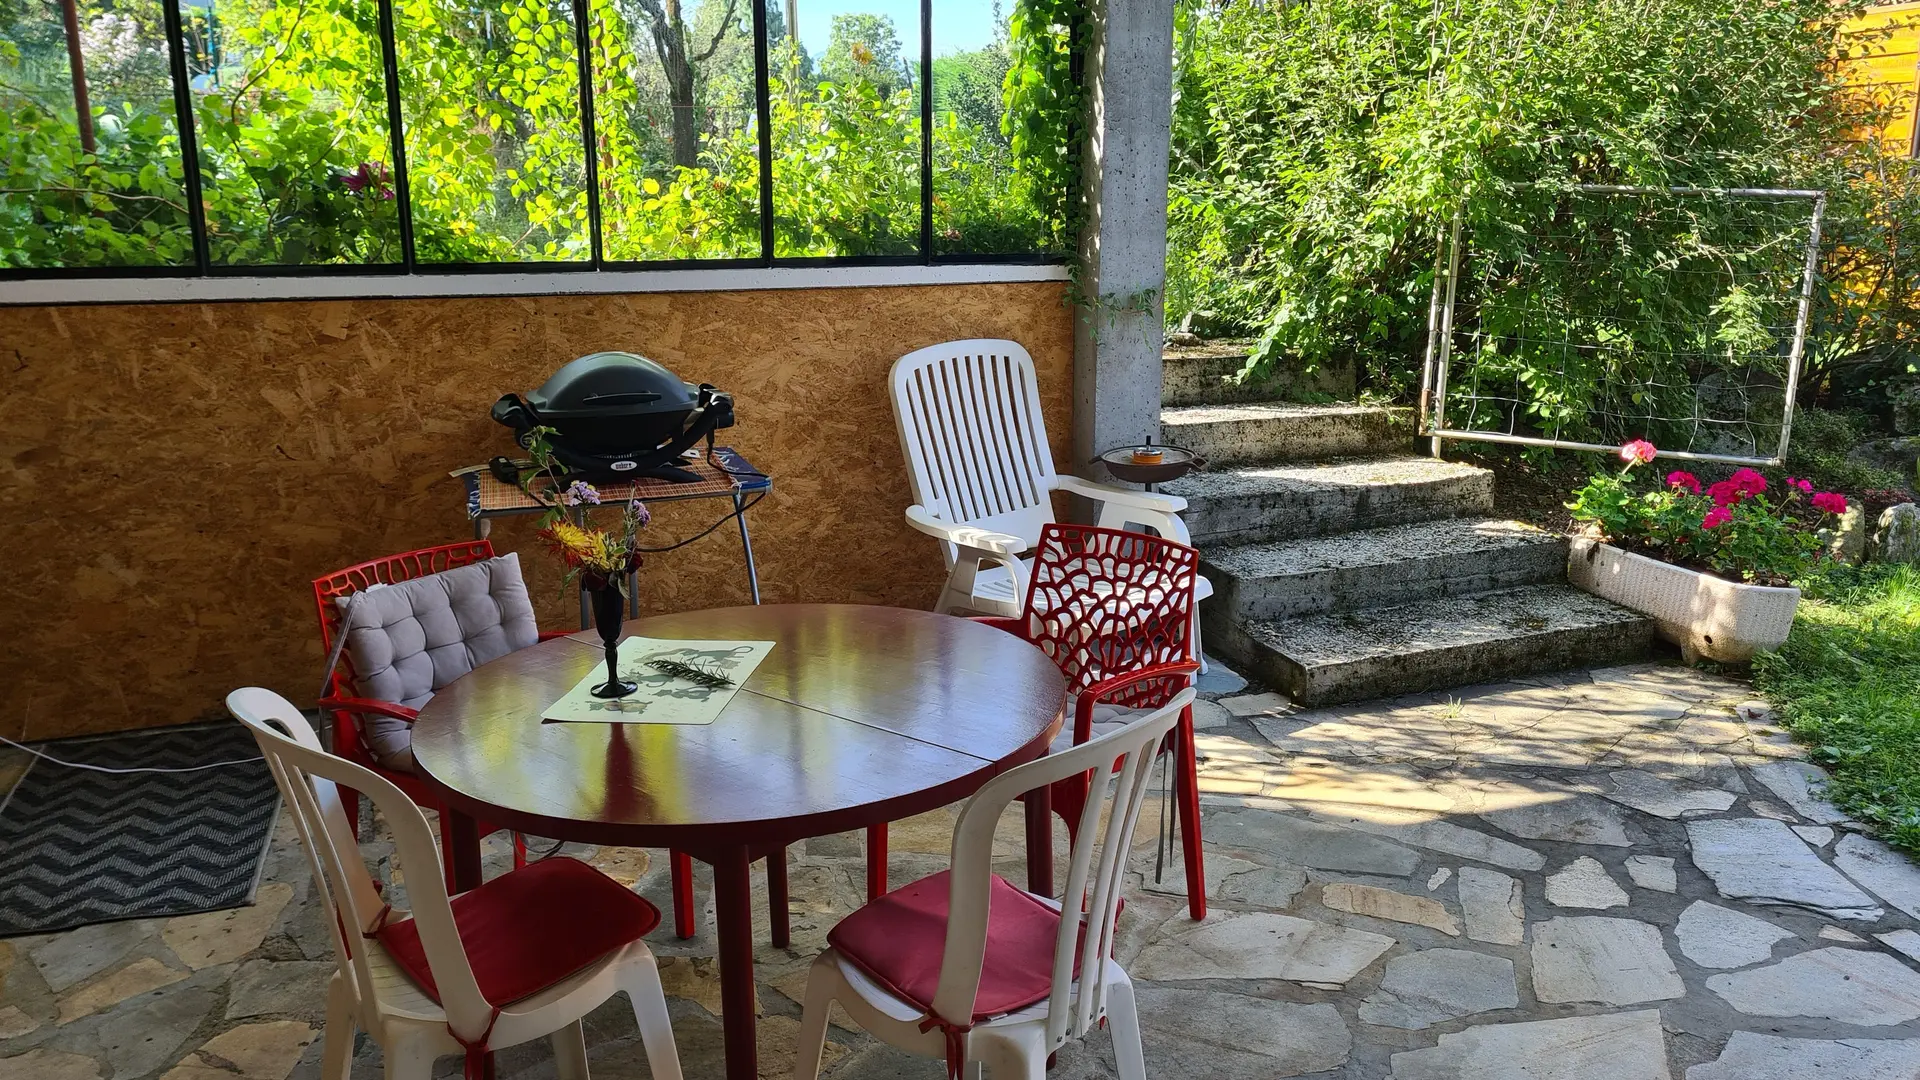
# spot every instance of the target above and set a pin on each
(1725, 493)
(1805, 486)
(1638, 452)
(1685, 481)
(1830, 502)
(1716, 517)
(1748, 482)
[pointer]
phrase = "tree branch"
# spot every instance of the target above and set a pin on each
(726, 24)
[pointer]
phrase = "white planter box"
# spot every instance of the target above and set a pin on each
(1708, 617)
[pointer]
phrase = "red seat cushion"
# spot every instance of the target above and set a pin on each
(530, 929)
(899, 939)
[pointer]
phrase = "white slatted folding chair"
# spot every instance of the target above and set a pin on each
(427, 986)
(965, 966)
(983, 477)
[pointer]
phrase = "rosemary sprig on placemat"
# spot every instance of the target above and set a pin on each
(712, 679)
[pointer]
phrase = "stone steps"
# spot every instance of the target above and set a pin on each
(1253, 503)
(1378, 567)
(1269, 432)
(1196, 376)
(1429, 644)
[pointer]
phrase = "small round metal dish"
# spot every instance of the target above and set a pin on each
(1175, 462)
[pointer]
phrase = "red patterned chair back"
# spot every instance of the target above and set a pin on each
(384, 571)
(1104, 602)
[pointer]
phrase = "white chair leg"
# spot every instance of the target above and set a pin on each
(656, 1028)
(410, 1056)
(1123, 1020)
(570, 1052)
(1006, 1060)
(336, 1055)
(814, 1014)
(1199, 654)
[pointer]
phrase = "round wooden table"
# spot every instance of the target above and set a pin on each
(859, 716)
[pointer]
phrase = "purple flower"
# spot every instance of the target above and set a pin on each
(580, 492)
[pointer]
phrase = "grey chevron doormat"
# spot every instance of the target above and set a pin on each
(79, 846)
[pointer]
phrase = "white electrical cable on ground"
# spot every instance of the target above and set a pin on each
(105, 769)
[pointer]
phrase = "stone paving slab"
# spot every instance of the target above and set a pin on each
(1622, 1046)
(1760, 859)
(1751, 1056)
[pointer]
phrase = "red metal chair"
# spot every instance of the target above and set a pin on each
(344, 703)
(1114, 610)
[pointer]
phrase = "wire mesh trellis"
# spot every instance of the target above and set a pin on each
(1593, 314)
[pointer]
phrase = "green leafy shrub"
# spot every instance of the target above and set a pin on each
(1321, 147)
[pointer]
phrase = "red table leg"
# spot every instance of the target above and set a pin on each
(461, 834)
(733, 911)
(683, 913)
(876, 861)
(1040, 840)
(777, 912)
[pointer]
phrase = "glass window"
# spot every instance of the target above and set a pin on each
(299, 164)
(290, 109)
(676, 124)
(90, 163)
(845, 92)
(490, 105)
(981, 204)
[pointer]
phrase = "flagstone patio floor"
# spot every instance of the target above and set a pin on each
(1620, 874)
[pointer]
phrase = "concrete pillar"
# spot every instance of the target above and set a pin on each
(1116, 354)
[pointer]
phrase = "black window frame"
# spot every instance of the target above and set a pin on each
(204, 266)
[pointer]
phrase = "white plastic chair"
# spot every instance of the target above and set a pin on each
(371, 991)
(1017, 1044)
(982, 472)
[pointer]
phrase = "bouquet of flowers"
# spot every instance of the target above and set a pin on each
(597, 558)
(1741, 528)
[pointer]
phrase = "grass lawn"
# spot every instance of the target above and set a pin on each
(1848, 684)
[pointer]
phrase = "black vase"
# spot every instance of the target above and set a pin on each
(607, 605)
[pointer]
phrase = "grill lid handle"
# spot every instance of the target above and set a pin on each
(635, 398)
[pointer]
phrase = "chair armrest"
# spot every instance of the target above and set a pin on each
(1001, 545)
(549, 635)
(370, 705)
(1016, 627)
(1144, 500)
(1091, 696)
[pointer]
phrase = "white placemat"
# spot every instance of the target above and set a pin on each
(663, 698)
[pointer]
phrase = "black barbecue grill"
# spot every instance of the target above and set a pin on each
(617, 416)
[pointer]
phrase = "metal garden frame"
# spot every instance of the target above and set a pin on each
(203, 265)
(1439, 352)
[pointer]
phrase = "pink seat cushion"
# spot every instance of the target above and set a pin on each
(531, 929)
(898, 940)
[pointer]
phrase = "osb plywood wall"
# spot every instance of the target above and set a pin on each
(177, 474)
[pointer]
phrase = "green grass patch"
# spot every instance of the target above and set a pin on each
(1847, 683)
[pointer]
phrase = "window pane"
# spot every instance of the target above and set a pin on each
(846, 130)
(99, 186)
(490, 103)
(291, 110)
(678, 139)
(981, 203)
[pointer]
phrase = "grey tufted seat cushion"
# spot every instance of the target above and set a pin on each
(413, 637)
(1105, 718)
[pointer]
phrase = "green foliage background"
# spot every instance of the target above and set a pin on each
(1320, 146)
(297, 161)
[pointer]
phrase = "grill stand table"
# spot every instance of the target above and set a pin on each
(739, 481)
